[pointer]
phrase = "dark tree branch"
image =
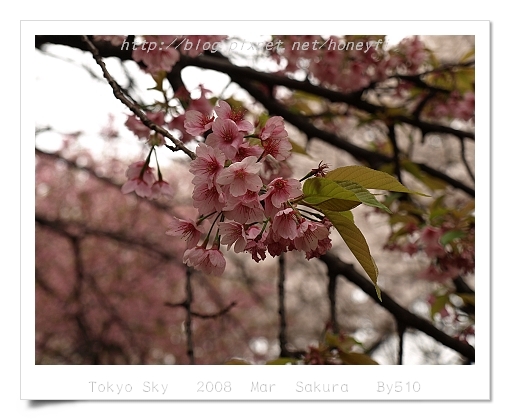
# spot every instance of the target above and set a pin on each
(396, 151)
(374, 159)
(281, 307)
(131, 104)
(332, 285)
(188, 321)
(221, 64)
(401, 328)
(338, 267)
(244, 76)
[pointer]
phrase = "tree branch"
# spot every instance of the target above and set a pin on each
(338, 267)
(131, 104)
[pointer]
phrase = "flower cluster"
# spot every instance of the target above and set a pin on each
(449, 257)
(242, 184)
(335, 62)
(142, 181)
(162, 52)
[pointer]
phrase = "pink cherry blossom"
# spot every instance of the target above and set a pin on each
(245, 150)
(285, 224)
(241, 177)
(278, 192)
(208, 198)
(276, 245)
(233, 232)
(210, 261)
(280, 149)
(430, 236)
(257, 249)
(187, 229)
(157, 59)
(309, 235)
(323, 246)
(224, 111)
(177, 123)
(275, 140)
(208, 164)
(226, 137)
(245, 208)
(197, 123)
(160, 188)
(140, 180)
(274, 129)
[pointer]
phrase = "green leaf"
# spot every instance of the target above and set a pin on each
(356, 243)
(365, 196)
(356, 358)
(283, 361)
(327, 195)
(439, 304)
(368, 178)
(451, 235)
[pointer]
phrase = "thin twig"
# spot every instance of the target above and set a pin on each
(199, 315)
(132, 105)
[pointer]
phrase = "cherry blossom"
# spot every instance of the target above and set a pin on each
(224, 111)
(242, 176)
(187, 229)
(278, 192)
(140, 179)
(233, 233)
(285, 224)
(210, 261)
(225, 136)
(161, 188)
(208, 164)
(197, 123)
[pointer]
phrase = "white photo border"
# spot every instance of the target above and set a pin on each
(183, 382)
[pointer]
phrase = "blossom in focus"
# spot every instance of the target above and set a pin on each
(196, 123)
(233, 233)
(187, 229)
(278, 192)
(208, 164)
(224, 111)
(241, 177)
(226, 137)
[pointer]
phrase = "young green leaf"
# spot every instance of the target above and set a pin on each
(369, 178)
(326, 195)
(363, 194)
(356, 243)
(356, 358)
